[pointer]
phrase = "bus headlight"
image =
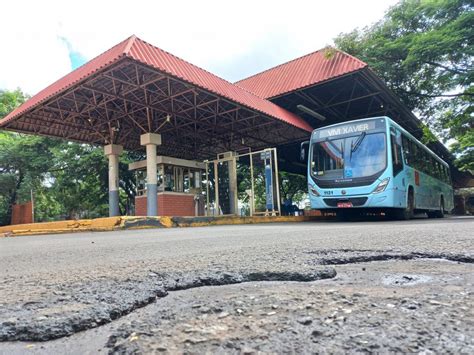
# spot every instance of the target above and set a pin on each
(312, 190)
(382, 186)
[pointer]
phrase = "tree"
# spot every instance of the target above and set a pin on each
(79, 180)
(424, 51)
(293, 187)
(9, 100)
(24, 160)
(80, 176)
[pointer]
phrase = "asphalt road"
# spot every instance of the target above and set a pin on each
(324, 287)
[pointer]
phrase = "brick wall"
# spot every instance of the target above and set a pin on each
(140, 206)
(175, 205)
(169, 204)
(23, 213)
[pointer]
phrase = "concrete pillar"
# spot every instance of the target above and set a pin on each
(151, 140)
(232, 170)
(112, 151)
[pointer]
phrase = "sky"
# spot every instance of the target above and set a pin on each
(44, 40)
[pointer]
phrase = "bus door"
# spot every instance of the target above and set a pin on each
(399, 173)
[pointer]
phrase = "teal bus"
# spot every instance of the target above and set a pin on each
(374, 165)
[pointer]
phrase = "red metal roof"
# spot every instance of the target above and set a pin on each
(161, 60)
(302, 72)
(84, 71)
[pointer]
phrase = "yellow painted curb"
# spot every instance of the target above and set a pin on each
(130, 222)
(81, 225)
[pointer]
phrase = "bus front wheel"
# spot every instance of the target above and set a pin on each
(408, 212)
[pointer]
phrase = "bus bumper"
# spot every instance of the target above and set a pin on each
(380, 200)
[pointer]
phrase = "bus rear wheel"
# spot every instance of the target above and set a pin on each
(432, 214)
(440, 213)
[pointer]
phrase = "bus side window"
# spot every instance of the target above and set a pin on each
(407, 154)
(447, 176)
(431, 166)
(420, 159)
(416, 156)
(439, 174)
(434, 168)
(426, 163)
(396, 153)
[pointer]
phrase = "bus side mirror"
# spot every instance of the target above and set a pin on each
(303, 151)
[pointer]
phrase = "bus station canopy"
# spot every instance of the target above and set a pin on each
(135, 88)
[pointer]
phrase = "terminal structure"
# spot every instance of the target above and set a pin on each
(136, 96)
(177, 188)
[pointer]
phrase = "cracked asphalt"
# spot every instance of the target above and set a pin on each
(325, 287)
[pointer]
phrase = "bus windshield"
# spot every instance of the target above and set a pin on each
(358, 156)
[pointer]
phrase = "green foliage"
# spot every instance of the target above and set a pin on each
(293, 187)
(424, 51)
(428, 136)
(24, 161)
(9, 100)
(80, 180)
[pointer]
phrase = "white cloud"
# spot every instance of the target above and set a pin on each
(232, 40)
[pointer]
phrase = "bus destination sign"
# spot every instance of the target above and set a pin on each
(346, 129)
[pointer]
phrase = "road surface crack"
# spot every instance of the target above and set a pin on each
(86, 306)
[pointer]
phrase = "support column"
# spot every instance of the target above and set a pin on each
(151, 140)
(112, 151)
(232, 171)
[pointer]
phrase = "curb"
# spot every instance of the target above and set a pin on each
(130, 223)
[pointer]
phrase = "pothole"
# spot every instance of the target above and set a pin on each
(108, 300)
(344, 256)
